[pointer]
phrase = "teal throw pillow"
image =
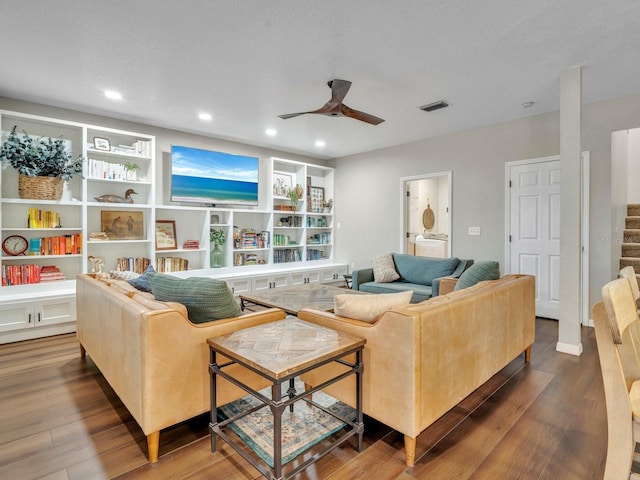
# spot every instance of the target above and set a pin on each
(206, 299)
(142, 282)
(478, 272)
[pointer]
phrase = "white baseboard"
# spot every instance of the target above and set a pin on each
(569, 348)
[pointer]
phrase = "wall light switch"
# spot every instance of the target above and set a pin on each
(474, 230)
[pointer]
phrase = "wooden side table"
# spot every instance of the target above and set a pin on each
(280, 351)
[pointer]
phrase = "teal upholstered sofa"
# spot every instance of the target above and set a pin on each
(420, 274)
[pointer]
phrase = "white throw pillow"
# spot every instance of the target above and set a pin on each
(368, 308)
(384, 270)
(122, 275)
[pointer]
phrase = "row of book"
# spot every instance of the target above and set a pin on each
(70, 244)
(132, 264)
(315, 254)
(323, 238)
(317, 222)
(29, 274)
(110, 171)
(171, 264)
(280, 240)
(287, 255)
(43, 219)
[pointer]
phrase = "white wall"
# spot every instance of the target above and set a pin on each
(633, 166)
(368, 193)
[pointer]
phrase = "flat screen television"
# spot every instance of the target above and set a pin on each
(213, 178)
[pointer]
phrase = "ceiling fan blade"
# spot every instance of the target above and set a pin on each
(358, 115)
(291, 115)
(339, 89)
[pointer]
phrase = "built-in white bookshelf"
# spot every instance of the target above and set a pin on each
(271, 242)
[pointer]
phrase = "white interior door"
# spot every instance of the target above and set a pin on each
(534, 229)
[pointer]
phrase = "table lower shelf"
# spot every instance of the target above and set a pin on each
(302, 429)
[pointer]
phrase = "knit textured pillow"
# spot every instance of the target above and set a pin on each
(206, 299)
(478, 272)
(141, 282)
(384, 270)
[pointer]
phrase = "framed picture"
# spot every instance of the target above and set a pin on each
(282, 183)
(166, 235)
(122, 224)
(101, 143)
(316, 195)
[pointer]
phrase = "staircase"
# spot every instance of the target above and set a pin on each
(631, 241)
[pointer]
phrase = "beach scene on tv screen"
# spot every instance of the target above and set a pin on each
(209, 177)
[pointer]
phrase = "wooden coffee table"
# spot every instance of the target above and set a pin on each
(293, 299)
(280, 351)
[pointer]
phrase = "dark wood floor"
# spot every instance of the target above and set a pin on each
(59, 420)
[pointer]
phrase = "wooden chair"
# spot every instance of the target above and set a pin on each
(620, 363)
(630, 274)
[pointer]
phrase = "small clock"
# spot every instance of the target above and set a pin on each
(15, 245)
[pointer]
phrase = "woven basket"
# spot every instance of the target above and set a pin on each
(40, 188)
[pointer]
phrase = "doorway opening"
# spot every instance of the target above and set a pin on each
(426, 219)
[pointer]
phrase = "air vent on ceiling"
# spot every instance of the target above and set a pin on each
(434, 106)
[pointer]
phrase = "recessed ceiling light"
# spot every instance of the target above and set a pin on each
(205, 116)
(271, 132)
(113, 95)
(320, 143)
(528, 104)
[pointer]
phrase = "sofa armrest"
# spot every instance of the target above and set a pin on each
(447, 284)
(361, 276)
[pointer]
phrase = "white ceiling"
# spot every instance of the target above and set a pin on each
(247, 61)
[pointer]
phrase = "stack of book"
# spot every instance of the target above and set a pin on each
(51, 273)
(191, 245)
(249, 238)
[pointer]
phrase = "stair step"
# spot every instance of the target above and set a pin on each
(632, 222)
(631, 236)
(631, 249)
(630, 262)
(633, 209)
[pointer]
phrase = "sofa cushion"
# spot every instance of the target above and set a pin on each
(420, 292)
(142, 281)
(478, 272)
(206, 299)
(384, 269)
(368, 307)
(423, 270)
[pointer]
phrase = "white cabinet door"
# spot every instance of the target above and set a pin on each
(239, 286)
(15, 316)
(334, 275)
(54, 310)
(306, 276)
(30, 314)
(270, 281)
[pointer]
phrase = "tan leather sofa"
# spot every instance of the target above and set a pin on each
(152, 356)
(420, 360)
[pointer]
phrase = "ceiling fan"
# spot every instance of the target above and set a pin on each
(335, 107)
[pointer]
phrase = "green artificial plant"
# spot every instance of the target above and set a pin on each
(217, 237)
(41, 157)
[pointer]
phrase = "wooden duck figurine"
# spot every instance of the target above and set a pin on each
(111, 198)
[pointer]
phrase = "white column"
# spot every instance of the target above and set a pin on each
(570, 221)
